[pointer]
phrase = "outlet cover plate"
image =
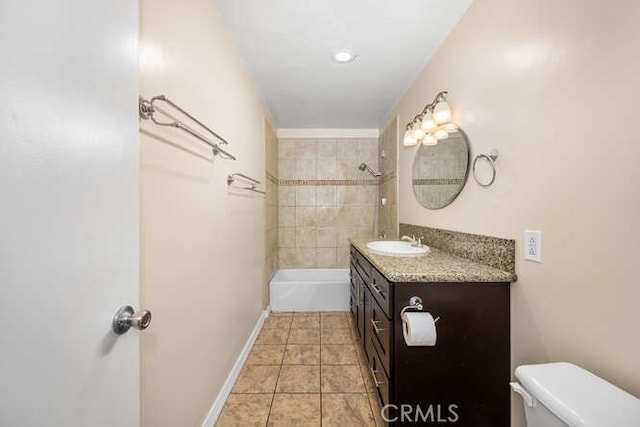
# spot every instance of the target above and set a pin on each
(533, 245)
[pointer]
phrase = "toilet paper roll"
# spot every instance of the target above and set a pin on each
(419, 329)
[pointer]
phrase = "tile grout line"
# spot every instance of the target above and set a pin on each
(321, 364)
(273, 396)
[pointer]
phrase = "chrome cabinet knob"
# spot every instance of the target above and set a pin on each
(126, 318)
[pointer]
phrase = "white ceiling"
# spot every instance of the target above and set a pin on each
(287, 46)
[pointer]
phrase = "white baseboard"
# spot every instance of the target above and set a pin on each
(218, 404)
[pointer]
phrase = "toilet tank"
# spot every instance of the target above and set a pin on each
(563, 394)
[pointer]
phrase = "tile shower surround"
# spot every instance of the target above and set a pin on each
(323, 199)
(271, 262)
(388, 214)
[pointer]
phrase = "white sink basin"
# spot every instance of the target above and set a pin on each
(396, 248)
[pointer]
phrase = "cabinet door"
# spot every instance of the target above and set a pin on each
(353, 295)
(470, 364)
(362, 298)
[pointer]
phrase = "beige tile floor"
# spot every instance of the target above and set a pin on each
(306, 369)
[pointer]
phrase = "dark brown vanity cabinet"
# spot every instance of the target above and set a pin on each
(464, 379)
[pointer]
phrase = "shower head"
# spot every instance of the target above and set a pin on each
(363, 167)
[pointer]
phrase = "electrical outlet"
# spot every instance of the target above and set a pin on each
(533, 245)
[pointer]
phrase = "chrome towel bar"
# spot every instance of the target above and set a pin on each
(252, 182)
(148, 109)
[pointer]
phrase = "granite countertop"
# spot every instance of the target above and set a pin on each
(435, 266)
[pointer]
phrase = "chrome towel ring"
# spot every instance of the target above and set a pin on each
(491, 158)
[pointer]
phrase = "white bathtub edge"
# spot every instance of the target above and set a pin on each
(221, 399)
(310, 290)
(282, 275)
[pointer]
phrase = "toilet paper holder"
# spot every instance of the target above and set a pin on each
(415, 303)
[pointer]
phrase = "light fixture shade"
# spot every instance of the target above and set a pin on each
(408, 139)
(442, 112)
(428, 123)
(441, 134)
(417, 132)
(432, 124)
(429, 139)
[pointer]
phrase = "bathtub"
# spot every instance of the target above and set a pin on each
(310, 289)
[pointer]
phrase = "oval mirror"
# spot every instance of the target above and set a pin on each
(440, 171)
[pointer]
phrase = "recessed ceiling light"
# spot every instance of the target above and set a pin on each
(343, 56)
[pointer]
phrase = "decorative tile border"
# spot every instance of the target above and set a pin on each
(321, 182)
(437, 181)
(493, 251)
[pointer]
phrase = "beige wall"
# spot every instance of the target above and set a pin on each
(554, 86)
(202, 245)
(325, 199)
(388, 187)
(271, 208)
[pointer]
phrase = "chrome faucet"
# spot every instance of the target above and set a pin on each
(417, 242)
(411, 239)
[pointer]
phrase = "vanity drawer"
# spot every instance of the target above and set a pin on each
(381, 291)
(381, 328)
(380, 379)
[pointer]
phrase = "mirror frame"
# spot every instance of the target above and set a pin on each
(464, 179)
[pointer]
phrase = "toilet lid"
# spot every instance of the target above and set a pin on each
(578, 397)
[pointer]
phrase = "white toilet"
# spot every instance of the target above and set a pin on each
(563, 394)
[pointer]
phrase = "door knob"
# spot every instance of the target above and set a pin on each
(126, 318)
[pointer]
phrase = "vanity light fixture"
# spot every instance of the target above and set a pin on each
(343, 56)
(433, 123)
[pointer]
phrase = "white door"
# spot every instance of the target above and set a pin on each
(69, 239)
